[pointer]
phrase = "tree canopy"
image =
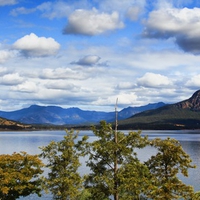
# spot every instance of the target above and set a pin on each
(19, 175)
(170, 160)
(114, 164)
(63, 179)
(115, 170)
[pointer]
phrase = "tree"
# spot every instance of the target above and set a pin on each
(62, 159)
(112, 158)
(170, 160)
(196, 196)
(19, 175)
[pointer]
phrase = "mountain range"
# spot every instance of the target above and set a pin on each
(56, 115)
(181, 115)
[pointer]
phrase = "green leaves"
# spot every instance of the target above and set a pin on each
(114, 165)
(62, 158)
(165, 166)
(117, 171)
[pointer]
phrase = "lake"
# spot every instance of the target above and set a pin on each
(30, 141)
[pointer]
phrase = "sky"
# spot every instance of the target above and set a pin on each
(91, 53)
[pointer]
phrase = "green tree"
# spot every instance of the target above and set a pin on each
(19, 175)
(114, 164)
(62, 158)
(170, 160)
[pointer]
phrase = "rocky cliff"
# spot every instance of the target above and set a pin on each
(193, 103)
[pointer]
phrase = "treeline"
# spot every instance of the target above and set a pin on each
(115, 171)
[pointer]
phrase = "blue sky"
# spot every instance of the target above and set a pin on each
(88, 53)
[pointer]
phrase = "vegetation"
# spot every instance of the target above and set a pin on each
(19, 175)
(113, 161)
(63, 180)
(164, 118)
(164, 167)
(115, 171)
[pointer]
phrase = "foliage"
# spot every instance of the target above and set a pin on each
(164, 167)
(166, 117)
(113, 164)
(63, 180)
(19, 175)
(196, 196)
(115, 170)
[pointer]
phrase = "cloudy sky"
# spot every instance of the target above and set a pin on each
(88, 53)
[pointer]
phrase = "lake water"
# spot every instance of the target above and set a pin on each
(30, 141)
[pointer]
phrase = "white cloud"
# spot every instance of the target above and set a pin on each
(63, 73)
(91, 22)
(133, 13)
(8, 2)
(153, 80)
(120, 6)
(88, 60)
(123, 99)
(27, 87)
(22, 10)
(4, 55)
(61, 85)
(125, 85)
(32, 45)
(56, 9)
(11, 79)
(3, 70)
(182, 24)
(194, 82)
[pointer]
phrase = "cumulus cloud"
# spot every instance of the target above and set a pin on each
(11, 79)
(182, 24)
(88, 60)
(4, 55)
(91, 22)
(194, 82)
(32, 45)
(153, 80)
(8, 2)
(27, 87)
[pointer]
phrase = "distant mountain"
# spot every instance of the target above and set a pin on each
(71, 116)
(181, 115)
(130, 111)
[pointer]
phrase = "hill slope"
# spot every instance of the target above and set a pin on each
(6, 124)
(181, 115)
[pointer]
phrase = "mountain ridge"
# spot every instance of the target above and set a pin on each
(57, 115)
(182, 115)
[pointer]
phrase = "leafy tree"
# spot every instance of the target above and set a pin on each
(62, 159)
(19, 175)
(196, 196)
(114, 165)
(115, 170)
(170, 160)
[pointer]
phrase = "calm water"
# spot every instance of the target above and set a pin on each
(30, 141)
